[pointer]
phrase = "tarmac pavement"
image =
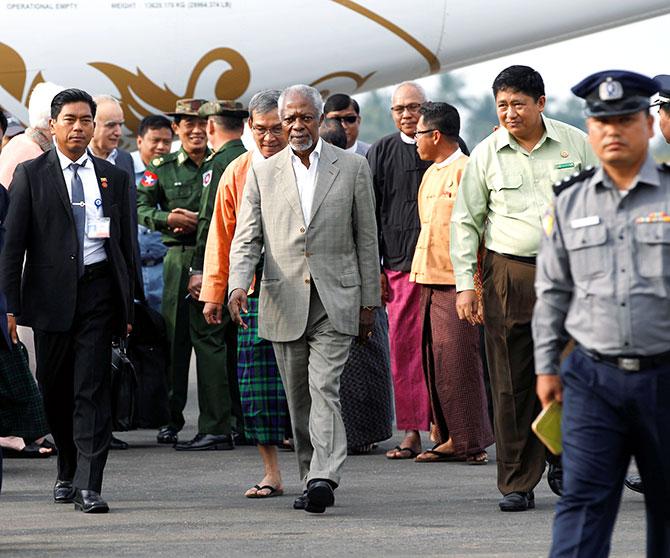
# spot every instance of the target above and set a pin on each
(182, 504)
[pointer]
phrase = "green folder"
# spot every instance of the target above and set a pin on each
(547, 427)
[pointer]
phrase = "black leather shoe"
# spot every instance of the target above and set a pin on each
(63, 492)
(167, 435)
(203, 442)
(517, 501)
(555, 478)
(319, 496)
(634, 482)
(89, 501)
(117, 444)
(300, 502)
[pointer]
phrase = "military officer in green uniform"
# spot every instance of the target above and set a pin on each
(168, 200)
(225, 126)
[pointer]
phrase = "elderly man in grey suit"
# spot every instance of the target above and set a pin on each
(311, 207)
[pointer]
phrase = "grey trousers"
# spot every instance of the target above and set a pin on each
(310, 368)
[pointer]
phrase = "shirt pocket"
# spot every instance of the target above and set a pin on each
(652, 256)
(509, 192)
(588, 251)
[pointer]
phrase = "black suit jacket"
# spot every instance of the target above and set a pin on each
(124, 161)
(40, 226)
(4, 335)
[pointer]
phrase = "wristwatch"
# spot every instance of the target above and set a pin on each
(369, 308)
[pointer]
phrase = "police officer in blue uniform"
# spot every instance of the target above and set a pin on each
(603, 278)
(633, 481)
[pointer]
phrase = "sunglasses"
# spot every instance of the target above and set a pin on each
(350, 119)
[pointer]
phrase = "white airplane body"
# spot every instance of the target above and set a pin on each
(150, 53)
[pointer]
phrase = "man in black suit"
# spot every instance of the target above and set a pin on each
(109, 121)
(70, 218)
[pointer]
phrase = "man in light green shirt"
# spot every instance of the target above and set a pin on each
(504, 193)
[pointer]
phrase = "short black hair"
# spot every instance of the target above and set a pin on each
(229, 123)
(333, 132)
(340, 101)
(154, 122)
(3, 121)
(519, 78)
(443, 117)
(68, 96)
(665, 107)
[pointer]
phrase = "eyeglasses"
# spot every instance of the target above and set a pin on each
(261, 132)
(349, 119)
(412, 107)
(419, 132)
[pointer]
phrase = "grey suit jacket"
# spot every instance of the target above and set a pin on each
(338, 250)
(362, 148)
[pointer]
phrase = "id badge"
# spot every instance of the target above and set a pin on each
(98, 227)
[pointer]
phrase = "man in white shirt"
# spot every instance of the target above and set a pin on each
(345, 109)
(69, 219)
(311, 207)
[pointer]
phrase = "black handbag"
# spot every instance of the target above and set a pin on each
(124, 389)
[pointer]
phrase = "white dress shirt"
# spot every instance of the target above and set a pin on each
(306, 179)
(353, 148)
(94, 248)
(455, 155)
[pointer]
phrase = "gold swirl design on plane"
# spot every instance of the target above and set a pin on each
(358, 79)
(137, 91)
(423, 50)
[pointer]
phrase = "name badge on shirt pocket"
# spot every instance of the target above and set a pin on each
(585, 222)
(98, 227)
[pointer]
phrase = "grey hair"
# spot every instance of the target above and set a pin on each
(39, 105)
(264, 101)
(104, 98)
(412, 84)
(304, 91)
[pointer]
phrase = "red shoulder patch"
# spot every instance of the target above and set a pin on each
(149, 179)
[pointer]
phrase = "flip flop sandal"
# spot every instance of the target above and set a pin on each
(412, 453)
(273, 491)
(477, 459)
(434, 456)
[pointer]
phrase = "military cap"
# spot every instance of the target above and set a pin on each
(663, 90)
(615, 92)
(223, 108)
(187, 107)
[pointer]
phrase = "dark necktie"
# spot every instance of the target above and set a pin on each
(78, 212)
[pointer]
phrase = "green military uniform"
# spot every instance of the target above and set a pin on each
(218, 161)
(169, 182)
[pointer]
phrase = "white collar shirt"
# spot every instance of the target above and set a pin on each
(94, 248)
(406, 139)
(455, 155)
(305, 179)
(353, 148)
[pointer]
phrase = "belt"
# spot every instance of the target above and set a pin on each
(631, 363)
(148, 262)
(93, 271)
(531, 260)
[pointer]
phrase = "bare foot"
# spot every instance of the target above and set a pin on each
(408, 448)
(271, 485)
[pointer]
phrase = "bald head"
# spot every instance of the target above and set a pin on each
(405, 104)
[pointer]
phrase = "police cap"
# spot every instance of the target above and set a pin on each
(663, 90)
(223, 108)
(615, 92)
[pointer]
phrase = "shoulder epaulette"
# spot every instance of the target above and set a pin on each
(664, 167)
(572, 180)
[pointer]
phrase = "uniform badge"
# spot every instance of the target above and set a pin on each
(206, 178)
(548, 221)
(157, 161)
(610, 90)
(565, 154)
(149, 179)
(103, 182)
